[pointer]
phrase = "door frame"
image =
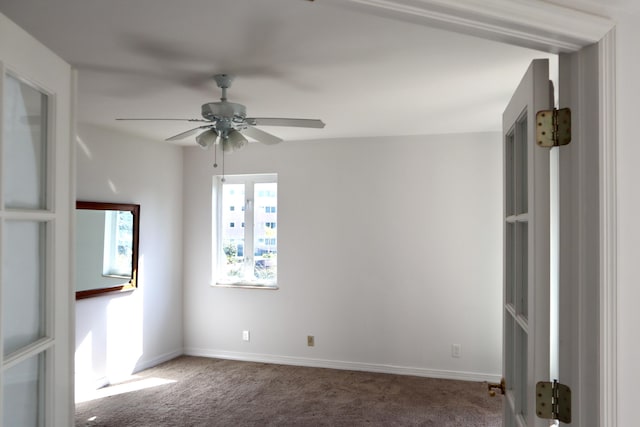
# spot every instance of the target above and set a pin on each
(556, 29)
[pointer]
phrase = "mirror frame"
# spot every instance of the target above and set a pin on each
(133, 283)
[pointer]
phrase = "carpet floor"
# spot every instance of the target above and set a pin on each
(197, 391)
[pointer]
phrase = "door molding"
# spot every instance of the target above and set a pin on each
(534, 24)
(608, 233)
(553, 28)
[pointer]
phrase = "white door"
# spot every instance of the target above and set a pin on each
(526, 248)
(35, 211)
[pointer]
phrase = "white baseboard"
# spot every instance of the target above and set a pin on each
(100, 382)
(146, 364)
(338, 364)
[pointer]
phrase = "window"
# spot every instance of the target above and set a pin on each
(232, 208)
(247, 255)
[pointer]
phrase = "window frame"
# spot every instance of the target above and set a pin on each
(218, 256)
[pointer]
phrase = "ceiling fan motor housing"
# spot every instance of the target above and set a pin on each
(217, 111)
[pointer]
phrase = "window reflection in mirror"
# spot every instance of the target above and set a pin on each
(106, 248)
(117, 242)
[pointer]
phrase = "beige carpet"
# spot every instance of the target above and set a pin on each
(196, 391)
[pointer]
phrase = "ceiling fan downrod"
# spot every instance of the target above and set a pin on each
(224, 82)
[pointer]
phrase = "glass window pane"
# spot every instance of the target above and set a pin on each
(23, 393)
(265, 233)
(522, 303)
(522, 171)
(510, 263)
(25, 133)
(23, 281)
(232, 236)
(509, 350)
(509, 178)
(521, 372)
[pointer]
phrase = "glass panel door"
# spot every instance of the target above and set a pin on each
(526, 249)
(36, 285)
(516, 270)
(25, 247)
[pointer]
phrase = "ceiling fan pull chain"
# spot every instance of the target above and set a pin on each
(215, 155)
(223, 179)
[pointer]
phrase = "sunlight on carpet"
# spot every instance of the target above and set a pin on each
(126, 387)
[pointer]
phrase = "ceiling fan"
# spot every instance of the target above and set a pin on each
(227, 123)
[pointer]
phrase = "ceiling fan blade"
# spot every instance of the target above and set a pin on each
(268, 121)
(180, 120)
(187, 133)
(261, 136)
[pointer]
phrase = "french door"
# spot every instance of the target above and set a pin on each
(35, 212)
(526, 248)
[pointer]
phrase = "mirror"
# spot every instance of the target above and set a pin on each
(106, 248)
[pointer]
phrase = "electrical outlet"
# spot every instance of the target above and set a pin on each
(245, 335)
(310, 341)
(456, 350)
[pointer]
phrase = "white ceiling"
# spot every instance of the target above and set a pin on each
(361, 72)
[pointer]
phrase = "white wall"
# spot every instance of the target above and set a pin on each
(116, 335)
(389, 252)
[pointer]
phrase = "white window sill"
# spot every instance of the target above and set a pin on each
(246, 285)
(117, 276)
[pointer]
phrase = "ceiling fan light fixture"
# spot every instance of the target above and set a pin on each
(234, 141)
(207, 138)
(225, 122)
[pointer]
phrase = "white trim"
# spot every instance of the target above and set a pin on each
(146, 364)
(2, 94)
(343, 365)
(71, 297)
(534, 24)
(579, 235)
(27, 352)
(35, 215)
(608, 234)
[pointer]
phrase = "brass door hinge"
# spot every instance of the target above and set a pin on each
(553, 401)
(553, 127)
